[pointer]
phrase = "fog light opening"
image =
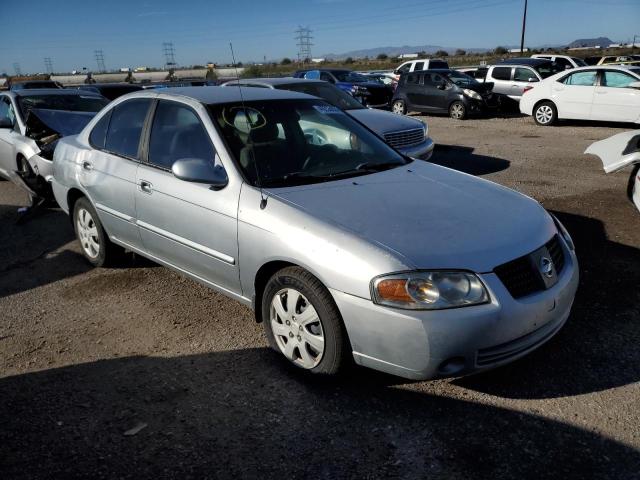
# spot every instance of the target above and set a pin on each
(451, 366)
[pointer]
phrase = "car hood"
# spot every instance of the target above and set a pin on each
(430, 217)
(618, 151)
(383, 122)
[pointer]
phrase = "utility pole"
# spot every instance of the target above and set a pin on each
(48, 65)
(169, 55)
(16, 68)
(524, 25)
(303, 37)
(99, 54)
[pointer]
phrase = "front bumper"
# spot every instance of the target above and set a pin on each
(422, 151)
(427, 344)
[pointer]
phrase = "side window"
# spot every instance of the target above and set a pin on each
(617, 79)
(419, 66)
(587, 79)
(523, 75)
(125, 127)
(437, 79)
(563, 63)
(480, 73)
(6, 110)
(177, 133)
(501, 73)
(404, 68)
(326, 77)
(98, 135)
(412, 79)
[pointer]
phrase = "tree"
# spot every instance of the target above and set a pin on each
(382, 56)
(442, 53)
(348, 61)
(286, 61)
(460, 52)
(500, 51)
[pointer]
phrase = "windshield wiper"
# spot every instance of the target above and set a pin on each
(376, 167)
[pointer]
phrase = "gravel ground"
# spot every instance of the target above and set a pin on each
(137, 372)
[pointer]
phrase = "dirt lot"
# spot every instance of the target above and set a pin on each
(86, 355)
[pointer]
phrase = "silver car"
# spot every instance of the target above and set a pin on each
(344, 248)
(408, 135)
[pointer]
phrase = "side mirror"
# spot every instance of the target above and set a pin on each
(6, 123)
(634, 85)
(199, 170)
(532, 79)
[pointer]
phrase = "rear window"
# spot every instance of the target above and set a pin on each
(438, 64)
(501, 73)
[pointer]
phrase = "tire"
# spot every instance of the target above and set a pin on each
(314, 340)
(458, 111)
(94, 241)
(399, 107)
(545, 114)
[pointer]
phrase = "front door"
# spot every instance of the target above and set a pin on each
(614, 99)
(7, 134)
(522, 77)
(109, 170)
(436, 91)
(187, 225)
(574, 94)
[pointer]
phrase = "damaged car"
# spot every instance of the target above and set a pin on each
(618, 152)
(31, 123)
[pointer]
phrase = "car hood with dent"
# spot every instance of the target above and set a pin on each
(429, 216)
(383, 122)
(618, 151)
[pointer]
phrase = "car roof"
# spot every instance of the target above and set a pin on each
(54, 91)
(103, 85)
(213, 95)
(523, 61)
(275, 81)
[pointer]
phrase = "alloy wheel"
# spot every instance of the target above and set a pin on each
(457, 111)
(297, 328)
(398, 107)
(544, 114)
(88, 233)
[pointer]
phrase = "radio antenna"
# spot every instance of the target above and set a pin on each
(263, 198)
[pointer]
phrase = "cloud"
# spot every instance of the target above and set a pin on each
(152, 14)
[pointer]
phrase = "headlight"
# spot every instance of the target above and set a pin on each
(472, 94)
(563, 231)
(429, 290)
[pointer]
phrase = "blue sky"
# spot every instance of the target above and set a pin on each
(131, 32)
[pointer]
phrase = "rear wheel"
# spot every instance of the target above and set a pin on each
(303, 323)
(94, 242)
(399, 107)
(458, 111)
(545, 114)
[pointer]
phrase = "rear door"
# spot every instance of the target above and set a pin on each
(109, 170)
(413, 90)
(188, 225)
(573, 94)
(614, 99)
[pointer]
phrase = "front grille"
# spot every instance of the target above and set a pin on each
(522, 278)
(405, 138)
(513, 348)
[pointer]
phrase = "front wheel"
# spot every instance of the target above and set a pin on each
(303, 323)
(545, 114)
(399, 107)
(458, 111)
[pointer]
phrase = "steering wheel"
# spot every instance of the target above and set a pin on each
(315, 136)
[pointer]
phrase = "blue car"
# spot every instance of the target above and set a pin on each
(369, 92)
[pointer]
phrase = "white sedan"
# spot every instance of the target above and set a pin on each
(609, 93)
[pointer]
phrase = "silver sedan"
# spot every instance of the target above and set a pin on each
(344, 248)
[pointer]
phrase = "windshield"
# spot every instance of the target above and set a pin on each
(74, 103)
(350, 77)
(579, 62)
(327, 92)
(461, 79)
(292, 142)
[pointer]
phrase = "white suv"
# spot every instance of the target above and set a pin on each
(563, 61)
(419, 65)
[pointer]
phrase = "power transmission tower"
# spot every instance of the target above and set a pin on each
(99, 54)
(16, 67)
(48, 65)
(169, 55)
(303, 38)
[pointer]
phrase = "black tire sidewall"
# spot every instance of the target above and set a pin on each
(102, 258)
(335, 343)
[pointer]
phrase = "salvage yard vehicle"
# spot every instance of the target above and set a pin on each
(562, 61)
(343, 249)
(618, 152)
(419, 65)
(409, 136)
(608, 93)
(512, 77)
(32, 84)
(368, 92)
(111, 91)
(32, 122)
(442, 91)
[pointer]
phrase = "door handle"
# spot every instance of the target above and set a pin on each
(145, 186)
(87, 166)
